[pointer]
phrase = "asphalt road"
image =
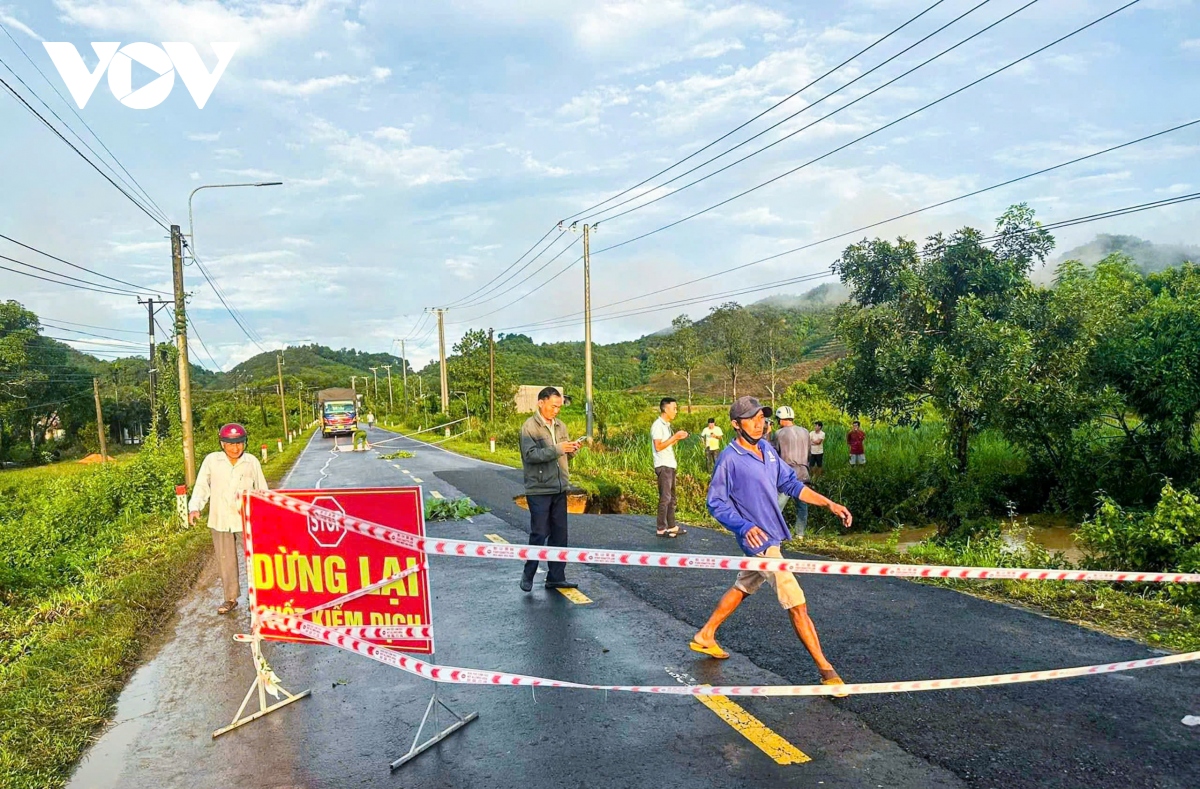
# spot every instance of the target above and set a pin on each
(1120, 730)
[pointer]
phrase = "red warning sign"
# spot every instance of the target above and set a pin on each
(297, 562)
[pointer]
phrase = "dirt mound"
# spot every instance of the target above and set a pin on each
(94, 458)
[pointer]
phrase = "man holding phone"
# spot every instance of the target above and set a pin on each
(545, 449)
(743, 498)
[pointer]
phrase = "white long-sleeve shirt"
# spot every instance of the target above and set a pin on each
(221, 483)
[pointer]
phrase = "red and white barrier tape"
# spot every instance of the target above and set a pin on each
(384, 632)
(391, 579)
(486, 550)
(464, 676)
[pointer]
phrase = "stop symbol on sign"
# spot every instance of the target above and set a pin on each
(324, 530)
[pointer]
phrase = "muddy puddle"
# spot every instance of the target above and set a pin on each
(1051, 533)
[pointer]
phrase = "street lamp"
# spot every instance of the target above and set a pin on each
(191, 231)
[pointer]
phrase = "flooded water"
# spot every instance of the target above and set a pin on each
(1049, 532)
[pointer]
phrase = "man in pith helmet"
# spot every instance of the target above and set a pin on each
(224, 476)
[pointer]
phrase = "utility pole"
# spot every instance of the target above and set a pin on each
(587, 328)
(388, 367)
(100, 420)
(282, 402)
(151, 310)
(375, 372)
(185, 367)
(441, 313)
(404, 373)
(353, 379)
(491, 377)
(300, 401)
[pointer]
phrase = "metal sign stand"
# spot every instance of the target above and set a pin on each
(460, 721)
(262, 678)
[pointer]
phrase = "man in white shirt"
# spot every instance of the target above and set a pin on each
(224, 476)
(665, 467)
(816, 452)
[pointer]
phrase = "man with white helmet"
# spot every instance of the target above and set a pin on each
(792, 443)
(223, 477)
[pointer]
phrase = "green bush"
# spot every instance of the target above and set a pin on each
(1164, 539)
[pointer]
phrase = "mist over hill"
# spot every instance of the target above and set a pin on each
(1147, 255)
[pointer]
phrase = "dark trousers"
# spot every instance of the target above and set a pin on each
(666, 497)
(548, 526)
(710, 458)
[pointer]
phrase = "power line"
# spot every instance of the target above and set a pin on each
(897, 217)
(221, 297)
(808, 107)
(527, 278)
(824, 273)
(105, 290)
(764, 112)
(77, 266)
(502, 273)
(80, 331)
(202, 345)
(90, 326)
(478, 301)
(83, 156)
(67, 126)
(463, 301)
(857, 140)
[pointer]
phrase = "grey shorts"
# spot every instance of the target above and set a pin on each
(858, 460)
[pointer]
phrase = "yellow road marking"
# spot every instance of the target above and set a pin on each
(762, 736)
(414, 479)
(574, 595)
(436, 495)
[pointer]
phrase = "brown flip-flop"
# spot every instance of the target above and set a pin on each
(227, 606)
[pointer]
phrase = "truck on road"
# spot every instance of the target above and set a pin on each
(339, 412)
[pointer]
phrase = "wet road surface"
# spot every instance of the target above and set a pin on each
(1116, 730)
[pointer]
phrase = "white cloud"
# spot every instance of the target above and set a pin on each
(11, 21)
(138, 247)
(320, 55)
(194, 176)
(392, 134)
(310, 87)
(294, 241)
(410, 165)
(1190, 45)
(251, 26)
(534, 166)
(461, 267)
(227, 153)
(250, 172)
(204, 136)
(586, 108)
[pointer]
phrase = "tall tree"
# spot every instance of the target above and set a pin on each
(680, 354)
(937, 327)
(730, 333)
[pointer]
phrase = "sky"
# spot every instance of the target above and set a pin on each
(424, 147)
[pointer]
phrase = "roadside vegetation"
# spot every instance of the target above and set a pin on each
(95, 560)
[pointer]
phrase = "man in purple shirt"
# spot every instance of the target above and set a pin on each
(743, 497)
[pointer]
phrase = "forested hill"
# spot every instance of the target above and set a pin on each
(316, 365)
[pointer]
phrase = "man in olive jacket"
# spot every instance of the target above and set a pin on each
(545, 448)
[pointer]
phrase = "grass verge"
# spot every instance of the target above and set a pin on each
(68, 650)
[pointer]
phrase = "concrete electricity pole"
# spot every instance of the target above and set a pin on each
(282, 401)
(404, 379)
(185, 367)
(388, 367)
(100, 420)
(491, 377)
(375, 372)
(353, 380)
(587, 328)
(441, 315)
